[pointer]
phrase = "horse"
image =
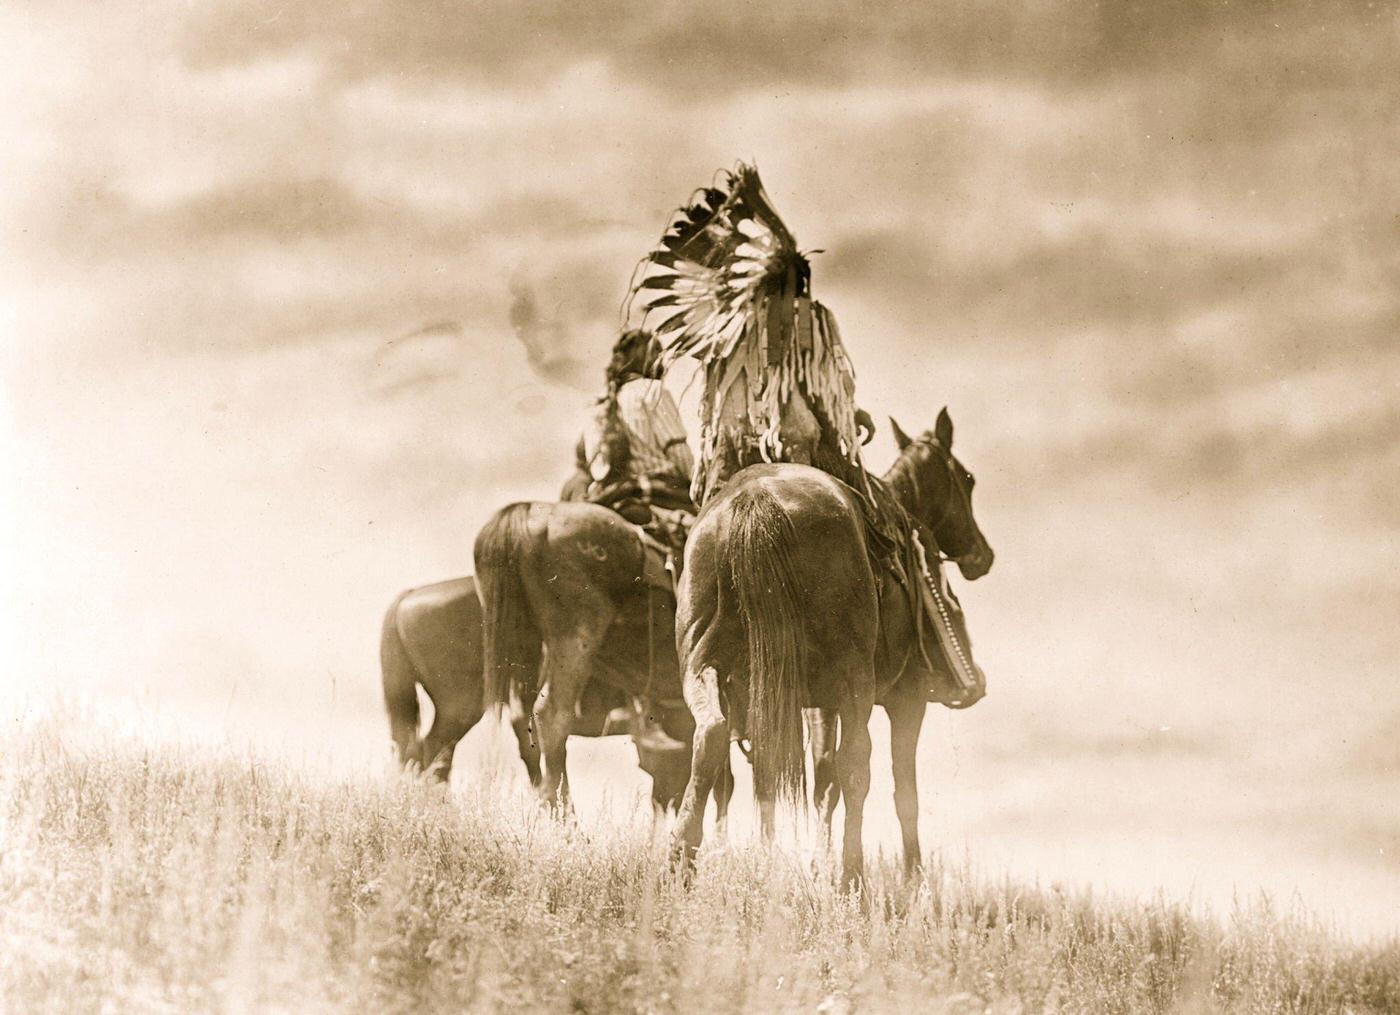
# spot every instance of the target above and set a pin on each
(432, 638)
(567, 599)
(781, 608)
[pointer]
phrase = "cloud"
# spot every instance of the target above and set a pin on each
(1094, 278)
(265, 257)
(277, 209)
(273, 259)
(331, 168)
(1239, 436)
(546, 341)
(425, 356)
(272, 209)
(698, 51)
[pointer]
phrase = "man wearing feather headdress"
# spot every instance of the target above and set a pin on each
(728, 287)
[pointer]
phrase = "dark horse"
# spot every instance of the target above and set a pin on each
(432, 638)
(782, 606)
(567, 601)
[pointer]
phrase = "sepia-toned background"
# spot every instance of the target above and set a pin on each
(260, 374)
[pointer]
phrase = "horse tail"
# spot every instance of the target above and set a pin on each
(510, 637)
(765, 584)
(400, 679)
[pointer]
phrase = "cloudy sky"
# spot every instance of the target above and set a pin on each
(259, 259)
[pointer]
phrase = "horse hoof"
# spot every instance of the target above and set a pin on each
(854, 882)
(683, 861)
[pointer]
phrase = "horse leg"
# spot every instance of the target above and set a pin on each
(723, 793)
(853, 769)
(709, 752)
(449, 726)
(821, 731)
(567, 663)
(400, 680)
(669, 771)
(520, 718)
(906, 720)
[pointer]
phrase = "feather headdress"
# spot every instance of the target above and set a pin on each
(727, 286)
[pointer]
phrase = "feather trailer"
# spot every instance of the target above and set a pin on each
(727, 285)
(721, 258)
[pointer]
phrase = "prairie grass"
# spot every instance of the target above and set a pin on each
(143, 878)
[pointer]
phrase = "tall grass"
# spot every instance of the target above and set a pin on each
(147, 879)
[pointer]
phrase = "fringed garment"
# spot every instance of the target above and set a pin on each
(727, 286)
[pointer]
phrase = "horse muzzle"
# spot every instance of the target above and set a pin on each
(977, 563)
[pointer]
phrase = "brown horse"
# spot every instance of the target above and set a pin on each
(782, 607)
(567, 601)
(432, 639)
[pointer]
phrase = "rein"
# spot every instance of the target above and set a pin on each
(651, 646)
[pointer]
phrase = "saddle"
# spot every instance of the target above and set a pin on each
(660, 506)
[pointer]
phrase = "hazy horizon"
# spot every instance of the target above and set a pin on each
(259, 269)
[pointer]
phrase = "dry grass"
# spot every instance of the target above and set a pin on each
(141, 879)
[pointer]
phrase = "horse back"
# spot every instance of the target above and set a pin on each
(577, 549)
(817, 539)
(439, 627)
(826, 538)
(588, 570)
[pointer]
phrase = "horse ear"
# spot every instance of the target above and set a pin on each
(581, 454)
(901, 439)
(943, 429)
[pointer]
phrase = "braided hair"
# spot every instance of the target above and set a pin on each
(637, 354)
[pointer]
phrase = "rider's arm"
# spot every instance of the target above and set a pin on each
(670, 432)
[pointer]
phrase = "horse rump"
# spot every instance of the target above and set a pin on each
(510, 637)
(761, 572)
(400, 680)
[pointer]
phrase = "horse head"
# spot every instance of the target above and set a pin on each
(937, 489)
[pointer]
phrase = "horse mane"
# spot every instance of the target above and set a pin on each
(900, 482)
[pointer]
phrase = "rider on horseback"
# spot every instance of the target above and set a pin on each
(728, 286)
(640, 465)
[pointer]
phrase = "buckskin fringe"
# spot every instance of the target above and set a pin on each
(727, 286)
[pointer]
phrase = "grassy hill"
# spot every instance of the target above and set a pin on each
(143, 878)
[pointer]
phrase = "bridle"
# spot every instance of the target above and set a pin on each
(936, 448)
